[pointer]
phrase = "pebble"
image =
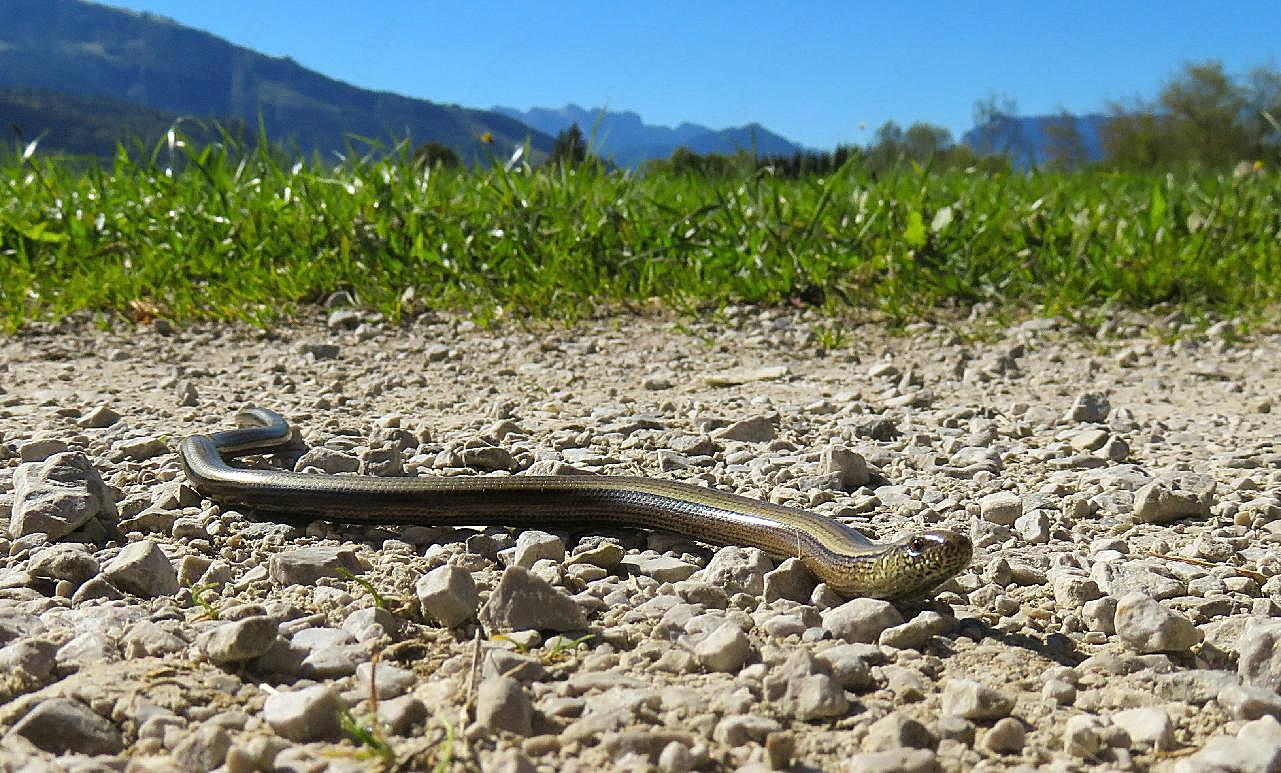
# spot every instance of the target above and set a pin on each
(896, 731)
(1146, 626)
(1006, 736)
(738, 570)
(970, 699)
(725, 649)
(448, 595)
(99, 417)
(502, 705)
(67, 726)
(756, 429)
(533, 545)
(1166, 500)
(848, 466)
(1002, 508)
(1259, 658)
(142, 569)
(522, 601)
(738, 729)
(304, 566)
(861, 620)
(238, 641)
(894, 761)
(205, 748)
(56, 496)
(1148, 727)
(309, 714)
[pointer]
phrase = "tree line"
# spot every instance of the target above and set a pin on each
(1202, 117)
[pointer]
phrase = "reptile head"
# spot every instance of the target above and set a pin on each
(924, 561)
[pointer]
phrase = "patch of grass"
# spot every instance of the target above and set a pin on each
(198, 598)
(368, 736)
(379, 600)
(227, 231)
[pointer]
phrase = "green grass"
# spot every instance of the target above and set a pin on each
(238, 233)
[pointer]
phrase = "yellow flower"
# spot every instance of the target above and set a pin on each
(487, 138)
(1258, 165)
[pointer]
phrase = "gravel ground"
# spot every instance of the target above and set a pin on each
(1123, 493)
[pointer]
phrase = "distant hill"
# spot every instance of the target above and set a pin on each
(626, 139)
(78, 125)
(83, 48)
(1028, 139)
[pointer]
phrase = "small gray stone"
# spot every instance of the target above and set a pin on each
(146, 639)
(1073, 591)
(845, 463)
(40, 449)
(1002, 508)
(756, 429)
(343, 319)
(790, 580)
(401, 713)
(142, 569)
(848, 667)
(1146, 626)
(1242, 701)
(188, 396)
(327, 460)
(448, 595)
(57, 496)
(487, 458)
(534, 545)
(238, 641)
(915, 633)
(319, 351)
(738, 729)
(897, 731)
(970, 699)
(1148, 727)
(524, 668)
(1169, 499)
(501, 704)
(385, 462)
(894, 761)
(203, 749)
(64, 562)
(388, 680)
(802, 686)
(725, 649)
(1006, 736)
(139, 449)
(861, 620)
(1089, 408)
(606, 555)
(1259, 661)
(738, 570)
(309, 714)
(98, 418)
(30, 660)
(1085, 736)
(303, 566)
(65, 725)
(661, 568)
(522, 601)
(1226, 754)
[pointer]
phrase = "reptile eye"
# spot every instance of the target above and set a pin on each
(917, 545)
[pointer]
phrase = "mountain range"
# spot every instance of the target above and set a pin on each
(624, 138)
(92, 50)
(85, 76)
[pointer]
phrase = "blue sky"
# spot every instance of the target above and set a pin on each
(817, 72)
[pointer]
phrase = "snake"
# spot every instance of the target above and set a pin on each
(849, 563)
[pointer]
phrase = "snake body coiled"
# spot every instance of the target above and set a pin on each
(847, 561)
